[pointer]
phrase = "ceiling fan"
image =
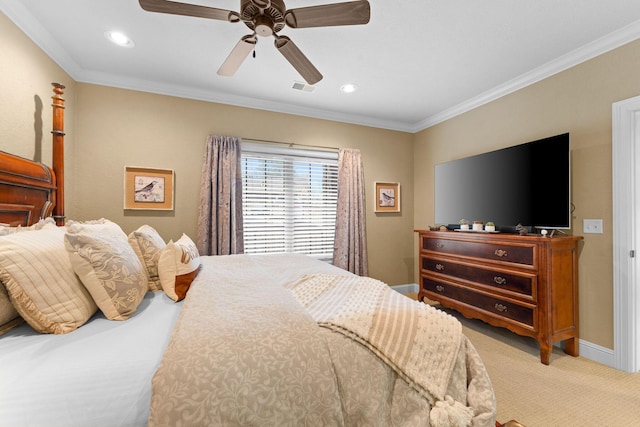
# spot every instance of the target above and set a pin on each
(266, 18)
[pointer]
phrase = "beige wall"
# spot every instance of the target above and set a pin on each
(576, 101)
(25, 98)
(117, 128)
(108, 129)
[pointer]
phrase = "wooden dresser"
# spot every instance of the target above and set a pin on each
(527, 284)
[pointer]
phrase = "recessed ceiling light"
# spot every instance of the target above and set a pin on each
(348, 88)
(119, 38)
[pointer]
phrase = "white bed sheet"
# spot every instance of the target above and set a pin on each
(99, 375)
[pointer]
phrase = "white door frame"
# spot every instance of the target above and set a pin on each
(626, 304)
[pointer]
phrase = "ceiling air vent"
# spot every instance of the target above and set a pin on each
(303, 87)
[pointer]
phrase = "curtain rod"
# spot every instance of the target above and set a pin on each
(291, 144)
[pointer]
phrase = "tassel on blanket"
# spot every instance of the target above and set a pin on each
(449, 413)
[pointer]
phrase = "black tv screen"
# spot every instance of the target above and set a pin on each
(527, 184)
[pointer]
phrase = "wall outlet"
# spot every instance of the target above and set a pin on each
(592, 226)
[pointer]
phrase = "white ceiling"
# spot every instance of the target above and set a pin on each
(416, 63)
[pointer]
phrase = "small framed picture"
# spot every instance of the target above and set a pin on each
(387, 196)
(148, 188)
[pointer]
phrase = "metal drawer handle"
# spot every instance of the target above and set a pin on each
(499, 280)
(500, 307)
(439, 245)
(501, 253)
(440, 267)
(439, 288)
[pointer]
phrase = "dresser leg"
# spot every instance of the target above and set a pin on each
(545, 353)
(572, 347)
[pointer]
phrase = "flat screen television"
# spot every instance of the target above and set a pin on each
(527, 184)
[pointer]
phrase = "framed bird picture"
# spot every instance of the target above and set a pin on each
(387, 196)
(148, 188)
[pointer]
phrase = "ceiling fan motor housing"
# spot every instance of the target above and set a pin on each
(263, 17)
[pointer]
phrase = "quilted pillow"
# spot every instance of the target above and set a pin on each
(107, 265)
(147, 244)
(179, 264)
(9, 317)
(41, 283)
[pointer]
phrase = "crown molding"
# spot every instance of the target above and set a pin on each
(122, 82)
(15, 11)
(22, 19)
(589, 51)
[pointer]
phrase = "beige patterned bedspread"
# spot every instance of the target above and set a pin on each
(245, 352)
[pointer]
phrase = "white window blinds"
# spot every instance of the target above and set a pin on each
(289, 198)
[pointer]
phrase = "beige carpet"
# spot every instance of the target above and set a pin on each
(571, 391)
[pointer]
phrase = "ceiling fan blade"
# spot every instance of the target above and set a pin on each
(237, 56)
(328, 15)
(290, 51)
(185, 9)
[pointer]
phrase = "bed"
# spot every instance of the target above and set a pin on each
(190, 340)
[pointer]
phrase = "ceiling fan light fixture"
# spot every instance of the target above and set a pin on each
(348, 88)
(263, 26)
(119, 38)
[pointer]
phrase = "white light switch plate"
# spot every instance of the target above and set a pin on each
(593, 226)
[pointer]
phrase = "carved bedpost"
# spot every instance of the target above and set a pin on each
(58, 150)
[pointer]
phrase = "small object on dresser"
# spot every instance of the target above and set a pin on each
(521, 229)
(478, 226)
(443, 228)
(490, 227)
(464, 224)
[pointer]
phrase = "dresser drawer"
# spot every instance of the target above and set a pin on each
(500, 279)
(523, 255)
(487, 303)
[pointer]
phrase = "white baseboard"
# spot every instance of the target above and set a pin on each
(404, 289)
(597, 353)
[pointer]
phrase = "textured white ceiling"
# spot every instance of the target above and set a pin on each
(416, 63)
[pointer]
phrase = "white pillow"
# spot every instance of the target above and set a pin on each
(179, 264)
(147, 244)
(107, 265)
(41, 282)
(6, 230)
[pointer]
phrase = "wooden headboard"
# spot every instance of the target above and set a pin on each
(31, 190)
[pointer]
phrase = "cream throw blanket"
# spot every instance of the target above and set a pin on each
(418, 341)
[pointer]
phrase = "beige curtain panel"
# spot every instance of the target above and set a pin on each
(350, 247)
(220, 211)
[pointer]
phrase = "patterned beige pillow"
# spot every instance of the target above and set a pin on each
(107, 265)
(41, 283)
(147, 244)
(179, 264)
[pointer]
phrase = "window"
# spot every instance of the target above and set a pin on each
(289, 200)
